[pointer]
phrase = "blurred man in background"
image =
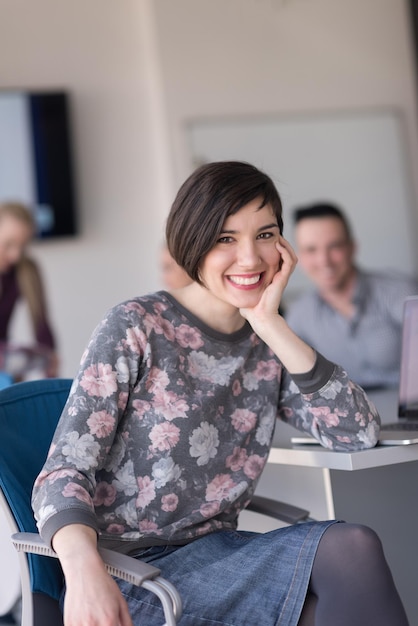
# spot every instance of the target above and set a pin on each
(353, 316)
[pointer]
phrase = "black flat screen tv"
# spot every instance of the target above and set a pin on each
(36, 164)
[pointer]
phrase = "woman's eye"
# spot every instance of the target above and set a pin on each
(224, 239)
(265, 235)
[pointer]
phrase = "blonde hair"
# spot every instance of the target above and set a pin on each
(19, 212)
(27, 273)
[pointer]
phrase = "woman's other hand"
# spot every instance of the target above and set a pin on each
(92, 597)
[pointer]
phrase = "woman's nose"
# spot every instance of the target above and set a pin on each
(247, 255)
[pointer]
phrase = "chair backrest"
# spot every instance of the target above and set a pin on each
(29, 413)
(5, 380)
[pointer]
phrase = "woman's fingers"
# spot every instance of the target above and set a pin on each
(288, 256)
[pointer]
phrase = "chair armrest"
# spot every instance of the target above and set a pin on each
(122, 566)
(278, 510)
(33, 543)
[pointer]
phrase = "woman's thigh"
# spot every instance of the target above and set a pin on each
(234, 578)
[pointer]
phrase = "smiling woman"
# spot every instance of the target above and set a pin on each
(175, 403)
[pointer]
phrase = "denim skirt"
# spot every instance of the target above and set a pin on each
(233, 578)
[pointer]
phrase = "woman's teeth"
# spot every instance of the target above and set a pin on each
(245, 280)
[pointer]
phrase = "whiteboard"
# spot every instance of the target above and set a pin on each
(358, 160)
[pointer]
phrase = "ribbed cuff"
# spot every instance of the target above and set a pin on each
(317, 377)
(64, 518)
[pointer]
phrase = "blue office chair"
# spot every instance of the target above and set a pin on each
(5, 380)
(29, 413)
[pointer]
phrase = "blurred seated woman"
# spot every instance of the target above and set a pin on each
(20, 278)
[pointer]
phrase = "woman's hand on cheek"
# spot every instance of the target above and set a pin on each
(288, 261)
(268, 305)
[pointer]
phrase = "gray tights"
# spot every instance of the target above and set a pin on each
(351, 583)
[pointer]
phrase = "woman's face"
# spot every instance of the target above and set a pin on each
(14, 237)
(245, 258)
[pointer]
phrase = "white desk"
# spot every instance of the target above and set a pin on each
(377, 487)
(317, 456)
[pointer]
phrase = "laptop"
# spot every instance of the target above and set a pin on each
(405, 429)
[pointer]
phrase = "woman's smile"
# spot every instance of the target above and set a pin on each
(246, 281)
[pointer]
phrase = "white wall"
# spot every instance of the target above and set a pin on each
(218, 57)
(98, 51)
(235, 57)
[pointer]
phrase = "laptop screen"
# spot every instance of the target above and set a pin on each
(408, 385)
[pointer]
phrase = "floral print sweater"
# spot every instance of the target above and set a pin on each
(169, 424)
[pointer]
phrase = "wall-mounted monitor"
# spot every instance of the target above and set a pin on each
(36, 158)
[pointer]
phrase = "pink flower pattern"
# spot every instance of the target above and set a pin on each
(122, 399)
(157, 380)
(237, 459)
(101, 424)
(164, 436)
(99, 380)
(175, 446)
(244, 420)
(210, 509)
(141, 407)
(165, 327)
(236, 388)
(72, 490)
(219, 488)
(170, 405)
(326, 415)
(267, 370)
(105, 494)
(135, 340)
(169, 502)
(253, 466)
(188, 337)
(146, 491)
(115, 529)
(147, 526)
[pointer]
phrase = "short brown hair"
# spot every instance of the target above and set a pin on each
(204, 201)
(323, 209)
